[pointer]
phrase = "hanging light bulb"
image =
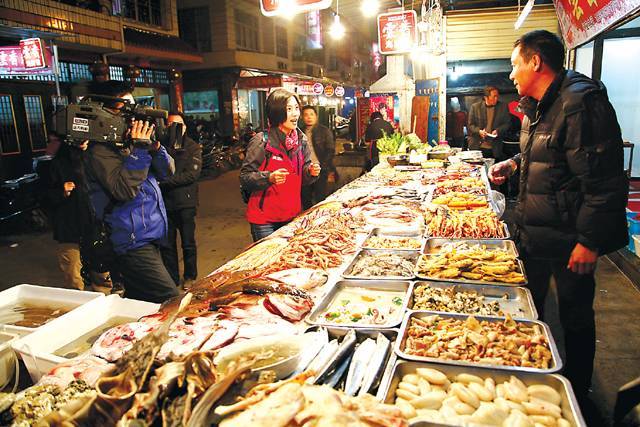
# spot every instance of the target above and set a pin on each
(370, 8)
(337, 30)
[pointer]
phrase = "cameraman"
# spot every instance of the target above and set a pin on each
(180, 193)
(125, 195)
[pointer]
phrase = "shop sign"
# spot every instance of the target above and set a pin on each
(339, 91)
(397, 32)
(582, 20)
(27, 58)
(318, 89)
(363, 113)
(328, 90)
(292, 7)
(305, 88)
(314, 30)
(375, 54)
(259, 82)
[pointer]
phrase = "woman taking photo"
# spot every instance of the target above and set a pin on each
(277, 165)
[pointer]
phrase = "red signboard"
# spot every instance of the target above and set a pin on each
(328, 90)
(33, 54)
(305, 88)
(28, 58)
(289, 7)
(582, 20)
(397, 32)
(260, 82)
(363, 113)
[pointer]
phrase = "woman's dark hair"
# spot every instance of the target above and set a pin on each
(276, 108)
(376, 115)
(545, 44)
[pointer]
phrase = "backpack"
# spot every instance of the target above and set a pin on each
(245, 193)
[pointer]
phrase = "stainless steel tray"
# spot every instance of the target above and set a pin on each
(516, 301)
(315, 317)
(474, 282)
(432, 245)
(507, 235)
(569, 405)
(410, 255)
(380, 232)
(555, 356)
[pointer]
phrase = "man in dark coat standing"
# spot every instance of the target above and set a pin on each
(323, 148)
(489, 121)
(180, 192)
(573, 190)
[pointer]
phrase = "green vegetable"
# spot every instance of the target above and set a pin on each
(344, 302)
(332, 315)
(369, 312)
(397, 301)
(355, 319)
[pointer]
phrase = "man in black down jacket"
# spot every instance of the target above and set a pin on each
(180, 193)
(573, 189)
(323, 148)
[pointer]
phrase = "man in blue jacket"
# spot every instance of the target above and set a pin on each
(123, 186)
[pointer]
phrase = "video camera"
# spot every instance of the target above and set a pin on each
(90, 120)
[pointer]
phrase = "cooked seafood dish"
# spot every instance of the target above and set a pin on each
(481, 223)
(365, 306)
(458, 201)
(392, 242)
(429, 298)
(475, 264)
(430, 395)
(382, 264)
(461, 184)
(508, 342)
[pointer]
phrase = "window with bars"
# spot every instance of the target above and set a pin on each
(194, 27)
(147, 11)
(282, 42)
(116, 73)
(35, 122)
(9, 143)
(246, 31)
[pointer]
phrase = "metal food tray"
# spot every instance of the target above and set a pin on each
(410, 255)
(507, 235)
(555, 356)
(432, 245)
(569, 405)
(518, 302)
(380, 232)
(315, 317)
(474, 282)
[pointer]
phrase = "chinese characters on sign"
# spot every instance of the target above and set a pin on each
(328, 90)
(314, 30)
(259, 82)
(582, 20)
(30, 57)
(397, 32)
(33, 54)
(273, 7)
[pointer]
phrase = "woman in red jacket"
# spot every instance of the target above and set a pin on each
(277, 165)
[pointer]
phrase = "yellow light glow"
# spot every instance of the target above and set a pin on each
(337, 30)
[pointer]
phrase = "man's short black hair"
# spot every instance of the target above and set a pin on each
(382, 106)
(276, 108)
(489, 89)
(309, 107)
(112, 88)
(376, 115)
(545, 44)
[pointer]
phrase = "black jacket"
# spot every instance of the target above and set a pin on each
(573, 188)
(375, 128)
(70, 215)
(478, 121)
(180, 190)
(324, 146)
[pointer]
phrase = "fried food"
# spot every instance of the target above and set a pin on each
(458, 200)
(393, 242)
(481, 223)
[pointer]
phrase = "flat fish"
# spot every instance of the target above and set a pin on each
(359, 365)
(376, 364)
(303, 278)
(317, 340)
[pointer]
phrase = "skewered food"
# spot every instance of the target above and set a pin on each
(481, 223)
(474, 263)
(507, 342)
(426, 297)
(382, 264)
(464, 399)
(393, 242)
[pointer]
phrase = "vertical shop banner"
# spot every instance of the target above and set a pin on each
(363, 112)
(289, 7)
(428, 89)
(397, 32)
(582, 20)
(314, 30)
(33, 54)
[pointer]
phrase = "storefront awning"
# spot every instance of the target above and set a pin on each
(157, 46)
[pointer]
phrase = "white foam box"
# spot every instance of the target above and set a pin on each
(7, 358)
(37, 349)
(69, 298)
